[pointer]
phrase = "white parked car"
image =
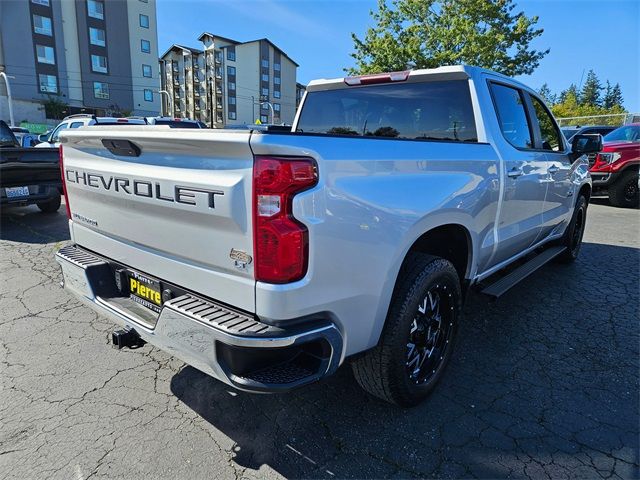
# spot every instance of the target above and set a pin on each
(51, 139)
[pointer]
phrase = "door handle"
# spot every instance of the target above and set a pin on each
(515, 172)
(553, 169)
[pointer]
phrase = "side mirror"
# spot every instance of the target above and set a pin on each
(583, 144)
(44, 137)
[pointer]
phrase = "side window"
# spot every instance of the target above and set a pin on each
(56, 133)
(77, 124)
(512, 115)
(549, 131)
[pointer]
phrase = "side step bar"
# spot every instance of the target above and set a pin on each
(500, 287)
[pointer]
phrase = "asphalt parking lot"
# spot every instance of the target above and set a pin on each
(544, 383)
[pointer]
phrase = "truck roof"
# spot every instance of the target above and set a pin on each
(449, 72)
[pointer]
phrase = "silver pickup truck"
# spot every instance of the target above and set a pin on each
(267, 259)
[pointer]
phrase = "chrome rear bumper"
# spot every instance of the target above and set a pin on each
(230, 345)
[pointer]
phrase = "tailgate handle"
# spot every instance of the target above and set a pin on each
(123, 148)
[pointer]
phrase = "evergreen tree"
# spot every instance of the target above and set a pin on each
(590, 94)
(607, 101)
(546, 94)
(616, 96)
(569, 93)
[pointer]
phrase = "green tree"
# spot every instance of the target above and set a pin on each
(547, 95)
(432, 33)
(615, 97)
(590, 94)
(54, 108)
(571, 92)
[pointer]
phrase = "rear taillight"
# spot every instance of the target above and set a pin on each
(64, 183)
(281, 243)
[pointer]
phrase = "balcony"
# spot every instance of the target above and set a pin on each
(196, 93)
(196, 79)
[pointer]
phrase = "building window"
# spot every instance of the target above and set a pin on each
(265, 92)
(276, 93)
(265, 63)
(46, 54)
(264, 118)
(148, 95)
(276, 67)
(96, 36)
(48, 83)
(276, 107)
(231, 70)
(95, 9)
(145, 46)
(41, 2)
(232, 100)
(100, 90)
(99, 63)
(144, 21)
(42, 25)
(146, 71)
(231, 55)
(231, 86)
(276, 80)
(265, 77)
(232, 115)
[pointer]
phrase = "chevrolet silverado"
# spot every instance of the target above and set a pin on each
(267, 259)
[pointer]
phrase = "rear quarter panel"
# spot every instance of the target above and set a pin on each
(374, 198)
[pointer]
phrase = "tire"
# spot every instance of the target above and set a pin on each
(50, 206)
(572, 238)
(625, 192)
(428, 288)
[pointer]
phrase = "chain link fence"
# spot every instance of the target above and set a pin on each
(616, 120)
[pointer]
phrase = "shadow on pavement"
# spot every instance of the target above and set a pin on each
(29, 225)
(543, 382)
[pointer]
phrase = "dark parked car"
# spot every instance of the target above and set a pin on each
(570, 131)
(28, 175)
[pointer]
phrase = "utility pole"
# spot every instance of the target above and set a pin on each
(9, 98)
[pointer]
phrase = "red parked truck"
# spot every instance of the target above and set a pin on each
(617, 167)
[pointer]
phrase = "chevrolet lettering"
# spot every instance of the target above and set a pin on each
(143, 188)
(351, 238)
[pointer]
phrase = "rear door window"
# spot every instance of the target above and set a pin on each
(77, 124)
(436, 110)
(512, 115)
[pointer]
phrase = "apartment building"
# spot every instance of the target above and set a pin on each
(228, 82)
(94, 56)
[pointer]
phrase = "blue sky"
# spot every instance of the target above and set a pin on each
(582, 35)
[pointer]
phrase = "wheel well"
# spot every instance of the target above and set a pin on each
(586, 191)
(451, 242)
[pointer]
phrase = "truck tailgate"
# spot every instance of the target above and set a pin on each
(170, 203)
(29, 166)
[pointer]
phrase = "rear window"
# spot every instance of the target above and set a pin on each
(174, 124)
(415, 111)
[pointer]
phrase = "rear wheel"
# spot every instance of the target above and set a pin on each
(418, 336)
(625, 192)
(50, 206)
(572, 238)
